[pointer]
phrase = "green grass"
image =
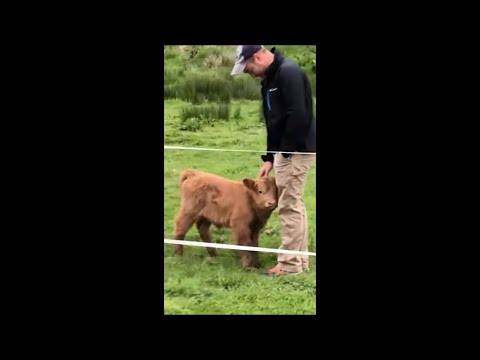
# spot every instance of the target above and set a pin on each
(197, 283)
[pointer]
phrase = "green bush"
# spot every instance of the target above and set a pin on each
(193, 118)
(172, 53)
(191, 124)
(237, 114)
(198, 87)
(172, 74)
(244, 87)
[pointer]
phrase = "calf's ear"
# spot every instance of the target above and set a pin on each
(249, 183)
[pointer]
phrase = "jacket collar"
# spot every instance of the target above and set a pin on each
(272, 69)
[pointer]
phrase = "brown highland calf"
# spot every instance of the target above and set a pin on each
(244, 206)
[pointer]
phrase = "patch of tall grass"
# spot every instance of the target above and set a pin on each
(198, 87)
(194, 118)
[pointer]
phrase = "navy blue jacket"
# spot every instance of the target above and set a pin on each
(287, 108)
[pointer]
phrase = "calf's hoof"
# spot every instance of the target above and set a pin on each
(212, 252)
(251, 265)
(256, 265)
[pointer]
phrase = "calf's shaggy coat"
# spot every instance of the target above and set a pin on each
(244, 206)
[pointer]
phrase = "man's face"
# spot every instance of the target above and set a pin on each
(254, 66)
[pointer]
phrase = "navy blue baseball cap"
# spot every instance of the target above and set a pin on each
(244, 52)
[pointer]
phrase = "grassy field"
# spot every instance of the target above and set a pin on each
(197, 283)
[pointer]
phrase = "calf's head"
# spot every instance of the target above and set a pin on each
(263, 191)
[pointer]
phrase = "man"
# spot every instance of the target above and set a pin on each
(288, 111)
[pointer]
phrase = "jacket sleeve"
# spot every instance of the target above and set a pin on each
(268, 156)
(291, 86)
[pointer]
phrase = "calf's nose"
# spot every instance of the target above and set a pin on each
(270, 203)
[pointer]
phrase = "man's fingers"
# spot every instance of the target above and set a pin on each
(264, 170)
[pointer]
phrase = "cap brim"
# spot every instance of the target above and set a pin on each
(238, 68)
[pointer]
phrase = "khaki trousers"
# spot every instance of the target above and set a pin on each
(291, 176)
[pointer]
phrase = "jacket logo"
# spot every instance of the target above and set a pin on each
(274, 89)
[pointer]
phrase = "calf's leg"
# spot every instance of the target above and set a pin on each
(203, 225)
(183, 223)
(241, 236)
(254, 254)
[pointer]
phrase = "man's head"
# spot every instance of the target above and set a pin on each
(252, 59)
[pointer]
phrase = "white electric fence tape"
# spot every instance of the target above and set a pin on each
(237, 247)
(252, 151)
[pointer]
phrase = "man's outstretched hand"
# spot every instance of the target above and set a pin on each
(266, 168)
